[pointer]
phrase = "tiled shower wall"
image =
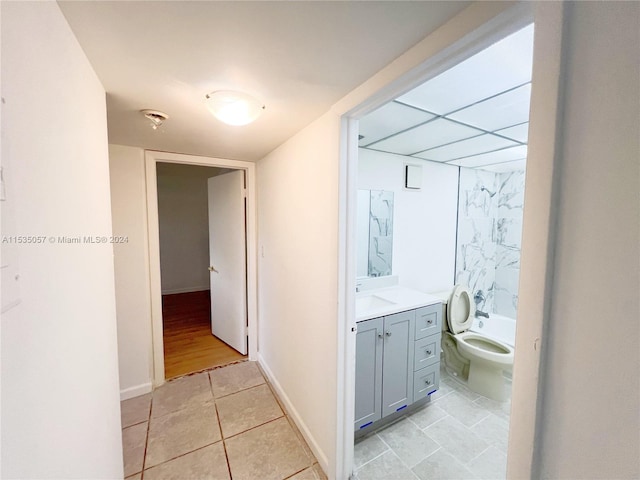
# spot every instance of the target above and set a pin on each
(489, 237)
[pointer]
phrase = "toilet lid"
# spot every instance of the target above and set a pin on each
(460, 309)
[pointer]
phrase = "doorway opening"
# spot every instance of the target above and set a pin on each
(533, 303)
(442, 169)
(202, 262)
(189, 334)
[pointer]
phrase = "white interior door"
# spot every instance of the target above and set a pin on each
(227, 259)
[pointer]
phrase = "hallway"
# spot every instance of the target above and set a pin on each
(226, 423)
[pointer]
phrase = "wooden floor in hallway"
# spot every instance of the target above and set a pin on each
(189, 345)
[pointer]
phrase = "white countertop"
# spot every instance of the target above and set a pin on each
(387, 301)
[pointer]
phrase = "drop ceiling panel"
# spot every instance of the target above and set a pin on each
(505, 155)
(464, 148)
(504, 65)
(518, 132)
(498, 112)
(435, 133)
(389, 119)
(506, 166)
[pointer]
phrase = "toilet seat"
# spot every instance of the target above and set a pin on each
(485, 348)
(486, 358)
(460, 310)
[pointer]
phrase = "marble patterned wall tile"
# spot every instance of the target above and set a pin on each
(511, 194)
(476, 255)
(478, 193)
(507, 257)
(476, 231)
(380, 233)
(490, 236)
(509, 232)
(506, 292)
(509, 239)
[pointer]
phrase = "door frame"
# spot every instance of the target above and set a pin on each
(151, 159)
(538, 222)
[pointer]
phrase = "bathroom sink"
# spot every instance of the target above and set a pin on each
(370, 302)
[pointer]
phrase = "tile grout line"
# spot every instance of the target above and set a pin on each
(446, 414)
(134, 424)
(146, 439)
(252, 428)
(440, 447)
(233, 393)
(296, 473)
(374, 458)
(211, 388)
(296, 431)
(389, 449)
(183, 454)
(283, 414)
(482, 452)
(224, 444)
(481, 420)
(265, 381)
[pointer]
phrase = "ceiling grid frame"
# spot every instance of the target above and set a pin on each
(512, 130)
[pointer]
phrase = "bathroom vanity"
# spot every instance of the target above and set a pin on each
(397, 353)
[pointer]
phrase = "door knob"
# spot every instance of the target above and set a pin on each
(388, 333)
(428, 352)
(212, 269)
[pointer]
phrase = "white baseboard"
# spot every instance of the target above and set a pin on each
(295, 416)
(136, 391)
(185, 290)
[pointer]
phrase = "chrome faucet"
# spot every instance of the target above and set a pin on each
(479, 298)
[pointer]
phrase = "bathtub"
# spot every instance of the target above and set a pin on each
(496, 326)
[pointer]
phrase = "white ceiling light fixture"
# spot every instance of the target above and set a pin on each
(156, 117)
(234, 108)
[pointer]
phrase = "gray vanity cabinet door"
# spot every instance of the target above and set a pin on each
(369, 345)
(397, 369)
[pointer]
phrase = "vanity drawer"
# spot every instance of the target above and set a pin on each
(426, 381)
(427, 352)
(428, 320)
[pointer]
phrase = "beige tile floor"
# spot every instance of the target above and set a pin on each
(223, 424)
(458, 435)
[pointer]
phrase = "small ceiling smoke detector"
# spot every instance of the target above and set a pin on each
(234, 108)
(155, 116)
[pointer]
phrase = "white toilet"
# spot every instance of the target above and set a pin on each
(472, 356)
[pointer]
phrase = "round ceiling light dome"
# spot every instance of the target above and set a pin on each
(234, 108)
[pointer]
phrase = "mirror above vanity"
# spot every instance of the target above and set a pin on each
(375, 233)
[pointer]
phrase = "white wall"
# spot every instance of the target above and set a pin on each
(184, 226)
(591, 418)
(298, 241)
(60, 402)
(129, 210)
(302, 297)
(424, 224)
